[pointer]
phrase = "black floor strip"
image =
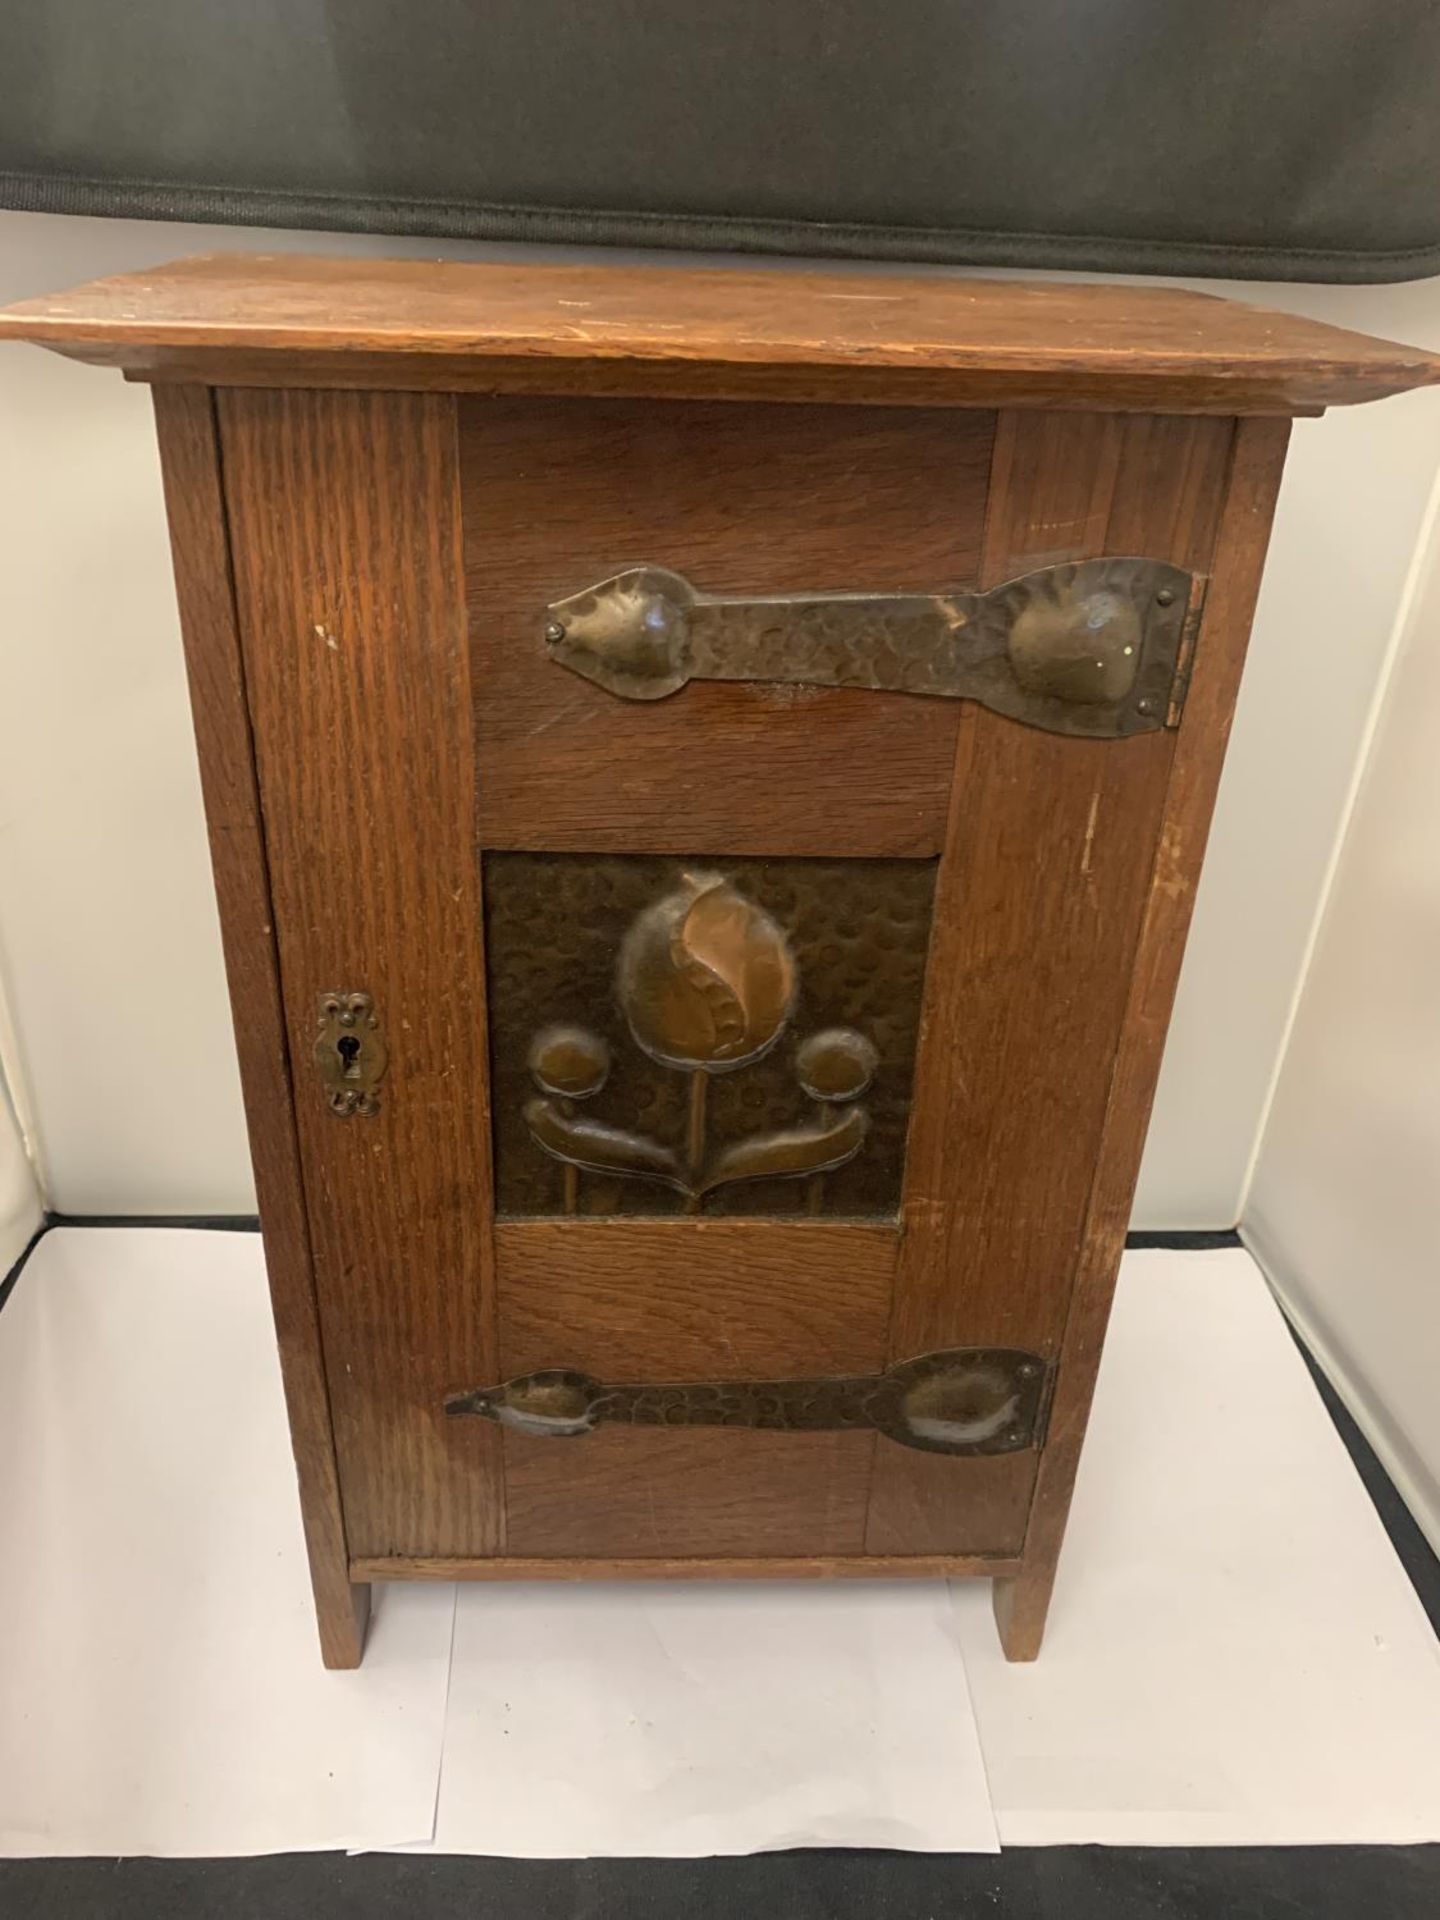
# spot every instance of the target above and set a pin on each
(1198, 1240)
(1043, 1883)
(206, 1222)
(1412, 1549)
(7, 1285)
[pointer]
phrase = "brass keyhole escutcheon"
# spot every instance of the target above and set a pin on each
(350, 1052)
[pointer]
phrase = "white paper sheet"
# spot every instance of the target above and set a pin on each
(160, 1682)
(701, 1719)
(1234, 1654)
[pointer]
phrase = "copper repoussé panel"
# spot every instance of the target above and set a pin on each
(717, 1036)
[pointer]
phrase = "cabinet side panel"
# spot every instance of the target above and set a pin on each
(345, 511)
(1039, 904)
(189, 454)
(1258, 462)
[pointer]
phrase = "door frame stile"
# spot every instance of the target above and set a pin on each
(193, 474)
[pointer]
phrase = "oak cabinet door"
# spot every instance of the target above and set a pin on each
(737, 1059)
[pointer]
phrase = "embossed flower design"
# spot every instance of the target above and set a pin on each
(706, 978)
(707, 982)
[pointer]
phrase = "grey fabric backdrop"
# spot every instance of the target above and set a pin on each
(1273, 138)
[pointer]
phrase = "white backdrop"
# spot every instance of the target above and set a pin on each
(19, 1196)
(1345, 1207)
(108, 939)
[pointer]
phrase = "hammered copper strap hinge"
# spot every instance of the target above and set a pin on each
(1098, 648)
(966, 1400)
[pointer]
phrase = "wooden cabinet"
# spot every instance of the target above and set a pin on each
(707, 775)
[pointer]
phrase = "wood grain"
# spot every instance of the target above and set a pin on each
(623, 1493)
(1038, 911)
(1057, 344)
(924, 1503)
(561, 494)
(694, 1300)
(1117, 390)
(1258, 461)
(345, 514)
(1052, 487)
(190, 462)
(775, 1567)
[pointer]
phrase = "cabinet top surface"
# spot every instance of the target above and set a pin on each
(231, 315)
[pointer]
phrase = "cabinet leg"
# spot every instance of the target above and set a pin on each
(1021, 1603)
(342, 1617)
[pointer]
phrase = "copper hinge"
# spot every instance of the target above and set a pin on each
(1090, 647)
(962, 1401)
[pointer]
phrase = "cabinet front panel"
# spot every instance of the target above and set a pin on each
(715, 1124)
(680, 1299)
(634, 1495)
(746, 499)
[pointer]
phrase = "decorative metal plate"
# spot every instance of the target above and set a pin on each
(350, 1053)
(966, 1401)
(1093, 647)
(726, 1037)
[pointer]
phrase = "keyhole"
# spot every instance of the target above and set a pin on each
(348, 1048)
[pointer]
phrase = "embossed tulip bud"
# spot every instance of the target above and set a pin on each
(836, 1064)
(706, 977)
(570, 1062)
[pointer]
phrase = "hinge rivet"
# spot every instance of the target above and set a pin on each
(1165, 597)
(1144, 706)
(554, 633)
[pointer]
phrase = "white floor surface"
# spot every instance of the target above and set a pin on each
(160, 1686)
(700, 1719)
(1234, 1654)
